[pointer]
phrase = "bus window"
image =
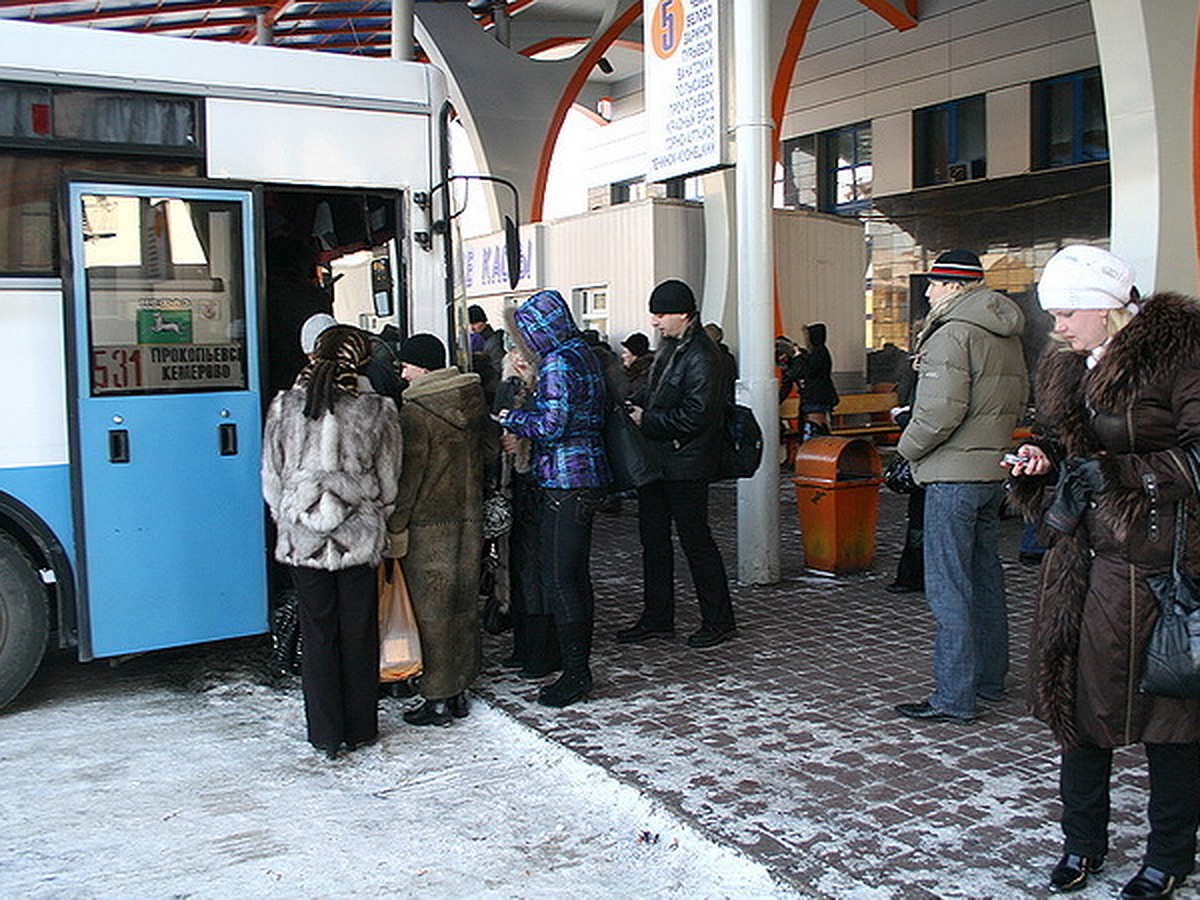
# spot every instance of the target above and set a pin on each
(166, 308)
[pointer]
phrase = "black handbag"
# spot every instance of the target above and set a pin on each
(899, 477)
(631, 456)
(1172, 664)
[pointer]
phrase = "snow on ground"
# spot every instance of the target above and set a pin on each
(131, 785)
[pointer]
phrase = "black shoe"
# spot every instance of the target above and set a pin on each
(330, 751)
(351, 746)
(570, 687)
(928, 713)
(897, 587)
(512, 662)
(431, 712)
(1150, 884)
(459, 706)
(641, 632)
(1072, 871)
(710, 637)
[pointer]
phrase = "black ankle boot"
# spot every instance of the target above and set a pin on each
(575, 683)
(431, 712)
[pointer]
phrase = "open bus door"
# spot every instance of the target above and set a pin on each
(166, 428)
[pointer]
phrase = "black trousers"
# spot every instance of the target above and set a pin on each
(1173, 808)
(339, 626)
(910, 571)
(685, 503)
(565, 548)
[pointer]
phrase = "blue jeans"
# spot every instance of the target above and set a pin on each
(964, 585)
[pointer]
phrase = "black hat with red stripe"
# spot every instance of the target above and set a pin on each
(956, 265)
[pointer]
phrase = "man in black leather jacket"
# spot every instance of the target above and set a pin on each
(682, 412)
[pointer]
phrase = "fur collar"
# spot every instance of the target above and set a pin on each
(1161, 339)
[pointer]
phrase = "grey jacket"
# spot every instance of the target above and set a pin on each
(331, 482)
(972, 386)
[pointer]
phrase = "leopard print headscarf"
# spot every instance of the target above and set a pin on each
(340, 352)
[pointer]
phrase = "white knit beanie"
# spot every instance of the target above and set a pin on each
(312, 328)
(1083, 277)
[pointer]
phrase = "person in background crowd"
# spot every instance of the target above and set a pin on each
(682, 412)
(728, 361)
(294, 294)
(565, 422)
(638, 360)
(971, 389)
(380, 369)
(535, 642)
(814, 374)
(1119, 399)
(437, 526)
(484, 338)
(910, 570)
(331, 457)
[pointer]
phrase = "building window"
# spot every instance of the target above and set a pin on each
(830, 171)
(1069, 126)
(950, 142)
(846, 165)
(591, 304)
(800, 172)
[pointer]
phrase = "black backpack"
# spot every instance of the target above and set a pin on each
(742, 447)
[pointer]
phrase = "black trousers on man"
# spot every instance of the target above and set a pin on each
(684, 503)
(1173, 809)
(339, 665)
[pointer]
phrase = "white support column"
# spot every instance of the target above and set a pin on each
(1148, 63)
(758, 497)
(402, 29)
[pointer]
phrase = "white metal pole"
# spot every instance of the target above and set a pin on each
(757, 497)
(402, 29)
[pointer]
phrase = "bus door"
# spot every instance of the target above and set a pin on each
(166, 432)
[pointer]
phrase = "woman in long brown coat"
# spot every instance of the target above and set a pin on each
(1120, 398)
(437, 526)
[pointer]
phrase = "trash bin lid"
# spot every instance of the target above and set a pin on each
(828, 459)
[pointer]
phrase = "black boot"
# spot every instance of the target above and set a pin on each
(575, 639)
(431, 712)
(542, 654)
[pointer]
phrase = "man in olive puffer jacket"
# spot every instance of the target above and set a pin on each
(972, 386)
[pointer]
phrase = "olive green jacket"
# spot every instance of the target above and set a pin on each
(972, 386)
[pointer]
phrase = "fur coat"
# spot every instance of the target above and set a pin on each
(331, 482)
(1095, 612)
(437, 526)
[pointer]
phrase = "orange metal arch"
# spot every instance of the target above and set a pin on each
(551, 43)
(574, 86)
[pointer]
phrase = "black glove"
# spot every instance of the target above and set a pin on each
(1078, 480)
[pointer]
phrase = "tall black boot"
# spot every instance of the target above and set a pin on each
(575, 639)
(910, 572)
(542, 654)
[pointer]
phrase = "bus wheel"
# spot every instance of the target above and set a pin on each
(24, 620)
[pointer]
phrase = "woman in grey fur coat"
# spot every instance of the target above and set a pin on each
(331, 455)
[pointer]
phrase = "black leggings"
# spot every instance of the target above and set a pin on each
(565, 534)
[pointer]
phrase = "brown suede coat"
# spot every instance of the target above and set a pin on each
(437, 526)
(1095, 612)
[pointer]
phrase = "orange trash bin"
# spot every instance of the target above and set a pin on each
(837, 490)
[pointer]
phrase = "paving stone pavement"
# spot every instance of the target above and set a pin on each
(783, 742)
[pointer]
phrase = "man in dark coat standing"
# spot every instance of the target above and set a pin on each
(682, 412)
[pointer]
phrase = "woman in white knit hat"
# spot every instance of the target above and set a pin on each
(1118, 397)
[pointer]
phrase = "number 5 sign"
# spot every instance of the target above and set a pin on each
(666, 28)
(685, 107)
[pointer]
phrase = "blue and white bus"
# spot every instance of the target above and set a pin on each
(140, 181)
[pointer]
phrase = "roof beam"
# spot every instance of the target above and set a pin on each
(901, 19)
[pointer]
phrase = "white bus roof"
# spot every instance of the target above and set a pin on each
(86, 57)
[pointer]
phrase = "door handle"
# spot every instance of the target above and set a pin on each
(227, 438)
(118, 445)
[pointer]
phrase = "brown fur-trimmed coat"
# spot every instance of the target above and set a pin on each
(1095, 612)
(437, 526)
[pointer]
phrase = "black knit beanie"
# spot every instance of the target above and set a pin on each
(424, 350)
(672, 296)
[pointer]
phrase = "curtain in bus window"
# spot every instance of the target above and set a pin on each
(29, 196)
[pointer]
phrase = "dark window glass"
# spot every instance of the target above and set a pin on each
(1069, 126)
(29, 186)
(950, 141)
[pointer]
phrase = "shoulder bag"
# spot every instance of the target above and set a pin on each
(1172, 664)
